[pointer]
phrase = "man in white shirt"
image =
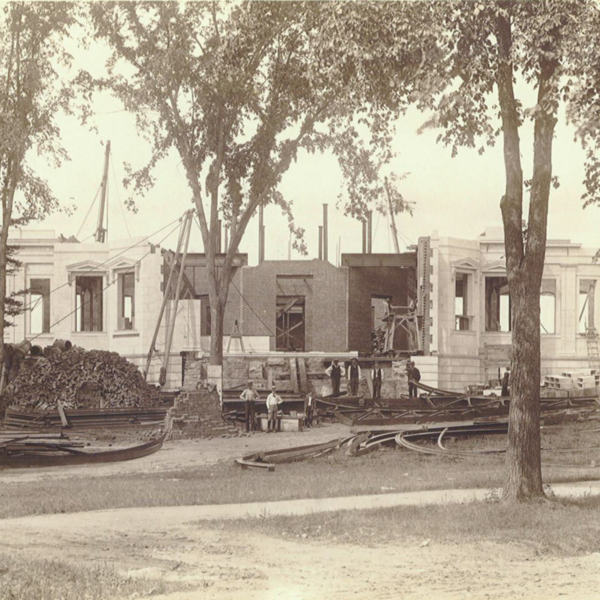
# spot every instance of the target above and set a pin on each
(249, 396)
(273, 402)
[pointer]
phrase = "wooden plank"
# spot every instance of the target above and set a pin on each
(61, 413)
(303, 375)
(294, 375)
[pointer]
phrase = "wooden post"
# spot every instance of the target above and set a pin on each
(171, 325)
(166, 292)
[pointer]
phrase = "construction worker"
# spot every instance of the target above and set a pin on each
(376, 378)
(353, 375)
(414, 376)
(309, 405)
(250, 396)
(506, 383)
(334, 371)
(273, 402)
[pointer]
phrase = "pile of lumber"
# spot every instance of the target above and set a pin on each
(86, 418)
(78, 378)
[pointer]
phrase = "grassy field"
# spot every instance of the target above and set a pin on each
(553, 527)
(388, 469)
(33, 579)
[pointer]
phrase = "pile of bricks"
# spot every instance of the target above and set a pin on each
(197, 414)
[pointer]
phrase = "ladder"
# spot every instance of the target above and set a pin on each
(593, 348)
(236, 334)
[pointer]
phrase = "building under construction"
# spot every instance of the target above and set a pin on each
(445, 303)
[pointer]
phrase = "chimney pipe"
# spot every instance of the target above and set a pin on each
(325, 232)
(364, 236)
(370, 232)
(320, 242)
(226, 244)
(261, 236)
(219, 247)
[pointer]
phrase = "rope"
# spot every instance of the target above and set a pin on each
(139, 260)
(252, 310)
(139, 243)
(235, 287)
(87, 214)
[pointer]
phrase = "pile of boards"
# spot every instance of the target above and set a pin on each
(124, 418)
(78, 378)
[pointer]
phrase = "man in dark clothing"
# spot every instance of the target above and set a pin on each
(377, 378)
(250, 396)
(334, 371)
(309, 406)
(353, 376)
(414, 376)
(506, 383)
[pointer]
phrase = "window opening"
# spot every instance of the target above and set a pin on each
(88, 307)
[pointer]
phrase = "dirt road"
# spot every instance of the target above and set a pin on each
(218, 563)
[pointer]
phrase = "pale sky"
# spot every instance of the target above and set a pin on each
(455, 196)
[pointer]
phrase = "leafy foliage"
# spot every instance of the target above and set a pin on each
(238, 90)
(33, 91)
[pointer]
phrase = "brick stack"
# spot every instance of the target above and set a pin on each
(197, 414)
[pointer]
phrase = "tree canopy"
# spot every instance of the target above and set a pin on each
(33, 92)
(237, 90)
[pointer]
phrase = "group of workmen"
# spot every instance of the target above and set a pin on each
(353, 375)
(250, 397)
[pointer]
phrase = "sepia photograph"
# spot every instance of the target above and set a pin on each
(297, 299)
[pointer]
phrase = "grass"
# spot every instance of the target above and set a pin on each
(35, 579)
(384, 470)
(335, 475)
(562, 528)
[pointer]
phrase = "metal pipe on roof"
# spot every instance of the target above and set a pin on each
(325, 232)
(370, 232)
(364, 236)
(320, 242)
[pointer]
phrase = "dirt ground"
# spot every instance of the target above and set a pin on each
(184, 454)
(217, 562)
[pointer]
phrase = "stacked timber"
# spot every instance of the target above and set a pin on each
(86, 418)
(78, 378)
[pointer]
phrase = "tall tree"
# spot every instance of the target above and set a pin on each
(32, 95)
(475, 59)
(232, 87)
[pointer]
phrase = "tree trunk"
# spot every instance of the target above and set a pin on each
(217, 313)
(3, 263)
(523, 461)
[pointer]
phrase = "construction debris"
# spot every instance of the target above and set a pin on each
(38, 449)
(78, 378)
(86, 418)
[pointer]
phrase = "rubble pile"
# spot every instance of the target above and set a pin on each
(79, 379)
